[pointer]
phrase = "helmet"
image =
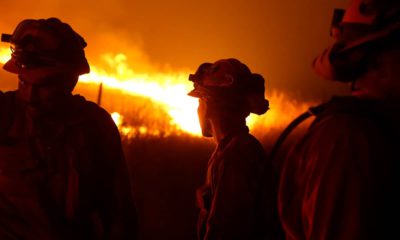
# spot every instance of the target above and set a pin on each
(230, 79)
(45, 46)
(364, 22)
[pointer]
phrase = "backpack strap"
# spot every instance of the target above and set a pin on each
(337, 105)
(312, 111)
(381, 114)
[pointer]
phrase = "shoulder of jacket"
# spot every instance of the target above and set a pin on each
(245, 140)
(7, 99)
(88, 111)
(351, 113)
(245, 144)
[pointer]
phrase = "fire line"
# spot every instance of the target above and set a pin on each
(169, 90)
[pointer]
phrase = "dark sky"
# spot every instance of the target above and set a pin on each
(277, 38)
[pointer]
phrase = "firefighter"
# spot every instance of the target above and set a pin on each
(237, 200)
(340, 180)
(62, 169)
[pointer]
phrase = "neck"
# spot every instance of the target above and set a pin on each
(222, 128)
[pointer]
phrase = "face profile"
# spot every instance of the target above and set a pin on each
(202, 112)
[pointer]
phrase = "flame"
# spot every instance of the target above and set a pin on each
(169, 90)
(130, 131)
(119, 121)
(4, 55)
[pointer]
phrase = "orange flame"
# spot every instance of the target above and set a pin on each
(4, 55)
(169, 90)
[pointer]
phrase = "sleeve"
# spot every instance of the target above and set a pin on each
(232, 208)
(346, 176)
(117, 208)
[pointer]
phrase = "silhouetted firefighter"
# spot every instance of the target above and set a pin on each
(238, 200)
(62, 169)
(340, 181)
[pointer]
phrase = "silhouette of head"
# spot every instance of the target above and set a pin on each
(46, 47)
(227, 87)
(48, 57)
(364, 29)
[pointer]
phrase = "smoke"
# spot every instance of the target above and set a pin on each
(277, 38)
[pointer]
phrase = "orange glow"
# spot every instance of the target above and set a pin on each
(4, 54)
(169, 90)
(129, 131)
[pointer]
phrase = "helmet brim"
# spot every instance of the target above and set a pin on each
(11, 66)
(196, 93)
(38, 75)
(373, 36)
(322, 64)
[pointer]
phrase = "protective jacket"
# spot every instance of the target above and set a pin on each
(238, 198)
(66, 180)
(340, 180)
